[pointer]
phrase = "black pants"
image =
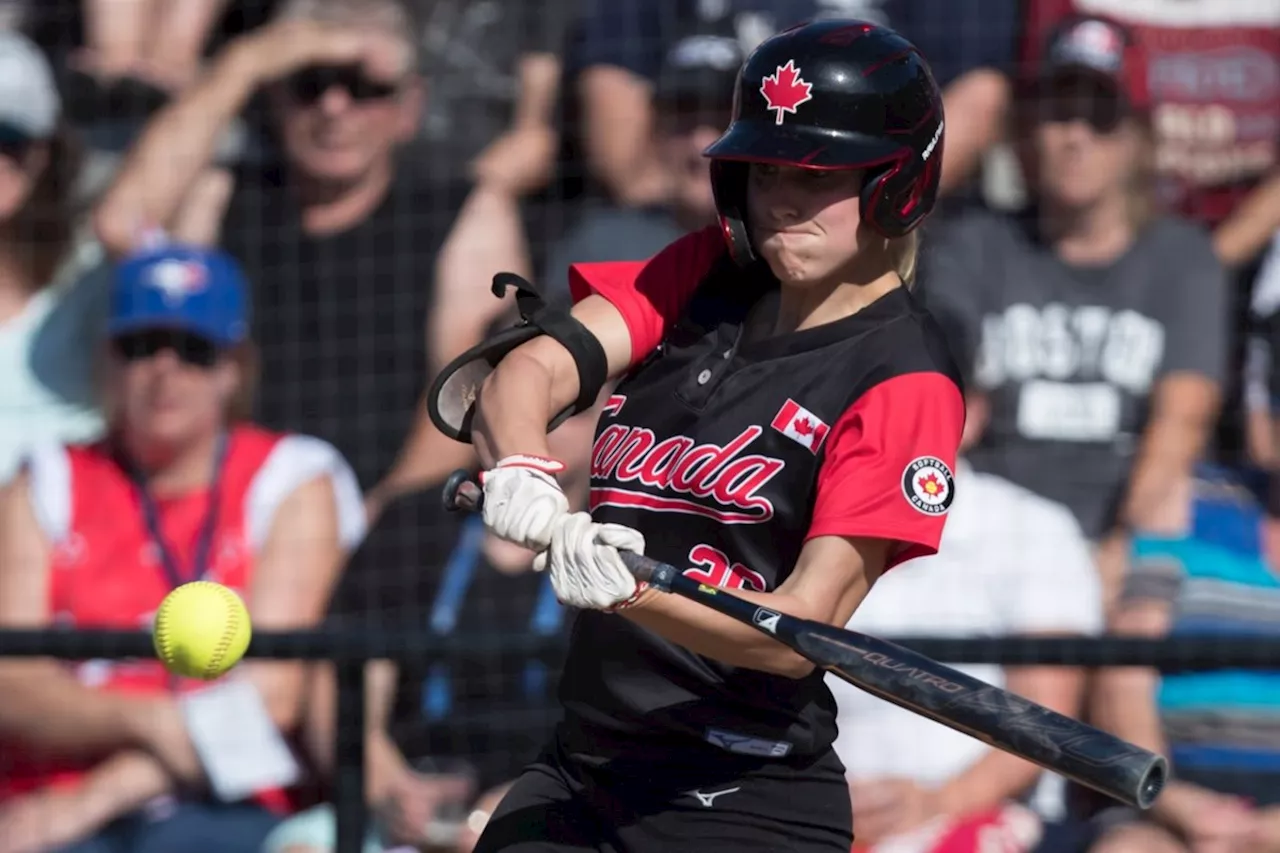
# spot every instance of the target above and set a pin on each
(562, 805)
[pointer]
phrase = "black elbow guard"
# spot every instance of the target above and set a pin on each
(452, 397)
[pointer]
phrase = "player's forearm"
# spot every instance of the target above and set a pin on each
(713, 635)
(514, 407)
(49, 711)
(173, 152)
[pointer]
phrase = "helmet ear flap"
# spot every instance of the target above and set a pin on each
(729, 185)
(894, 201)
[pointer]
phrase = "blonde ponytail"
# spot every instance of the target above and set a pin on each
(905, 252)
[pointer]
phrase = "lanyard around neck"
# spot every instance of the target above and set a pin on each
(208, 527)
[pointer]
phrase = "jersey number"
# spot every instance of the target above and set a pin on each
(713, 568)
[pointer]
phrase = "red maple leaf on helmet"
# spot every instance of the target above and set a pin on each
(784, 90)
(802, 426)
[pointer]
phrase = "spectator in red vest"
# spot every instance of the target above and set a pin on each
(105, 755)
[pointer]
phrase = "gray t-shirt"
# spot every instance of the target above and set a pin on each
(1070, 355)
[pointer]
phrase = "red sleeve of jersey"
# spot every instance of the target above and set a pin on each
(650, 294)
(888, 469)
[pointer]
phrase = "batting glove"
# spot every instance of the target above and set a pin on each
(585, 567)
(523, 501)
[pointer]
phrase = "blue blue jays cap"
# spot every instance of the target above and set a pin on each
(189, 289)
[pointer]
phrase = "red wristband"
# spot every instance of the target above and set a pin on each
(550, 467)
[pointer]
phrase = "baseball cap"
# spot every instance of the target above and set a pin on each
(29, 101)
(189, 289)
(702, 66)
(1103, 48)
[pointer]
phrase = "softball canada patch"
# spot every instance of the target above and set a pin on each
(928, 484)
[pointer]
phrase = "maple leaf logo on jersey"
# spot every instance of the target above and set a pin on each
(929, 485)
(932, 484)
(801, 426)
(784, 90)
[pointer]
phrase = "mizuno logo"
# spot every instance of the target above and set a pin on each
(708, 799)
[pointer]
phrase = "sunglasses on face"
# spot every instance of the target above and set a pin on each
(309, 85)
(190, 349)
(14, 146)
(1098, 105)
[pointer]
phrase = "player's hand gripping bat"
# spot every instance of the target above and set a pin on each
(997, 717)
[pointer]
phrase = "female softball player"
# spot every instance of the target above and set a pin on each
(785, 426)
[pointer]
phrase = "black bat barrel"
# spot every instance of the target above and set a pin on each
(1009, 722)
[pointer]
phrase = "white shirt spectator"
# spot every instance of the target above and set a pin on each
(1010, 562)
(47, 356)
(1266, 288)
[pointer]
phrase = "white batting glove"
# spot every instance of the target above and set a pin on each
(523, 501)
(586, 570)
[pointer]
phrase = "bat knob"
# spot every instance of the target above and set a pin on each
(461, 492)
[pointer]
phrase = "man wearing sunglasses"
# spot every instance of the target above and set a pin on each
(339, 238)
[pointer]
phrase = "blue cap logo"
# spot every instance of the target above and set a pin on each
(177, 279)
(197, 290)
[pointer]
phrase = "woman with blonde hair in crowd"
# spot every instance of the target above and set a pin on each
(95, 536)
(1102, 324)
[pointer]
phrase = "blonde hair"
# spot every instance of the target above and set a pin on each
(904, 253)
(1143, 206)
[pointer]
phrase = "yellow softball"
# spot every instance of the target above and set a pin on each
(201, 630)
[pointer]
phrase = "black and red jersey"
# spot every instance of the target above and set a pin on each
(728, 456)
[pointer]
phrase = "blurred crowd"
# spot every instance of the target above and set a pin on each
(239, 237)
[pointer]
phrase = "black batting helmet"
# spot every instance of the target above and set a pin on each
(835, 94)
